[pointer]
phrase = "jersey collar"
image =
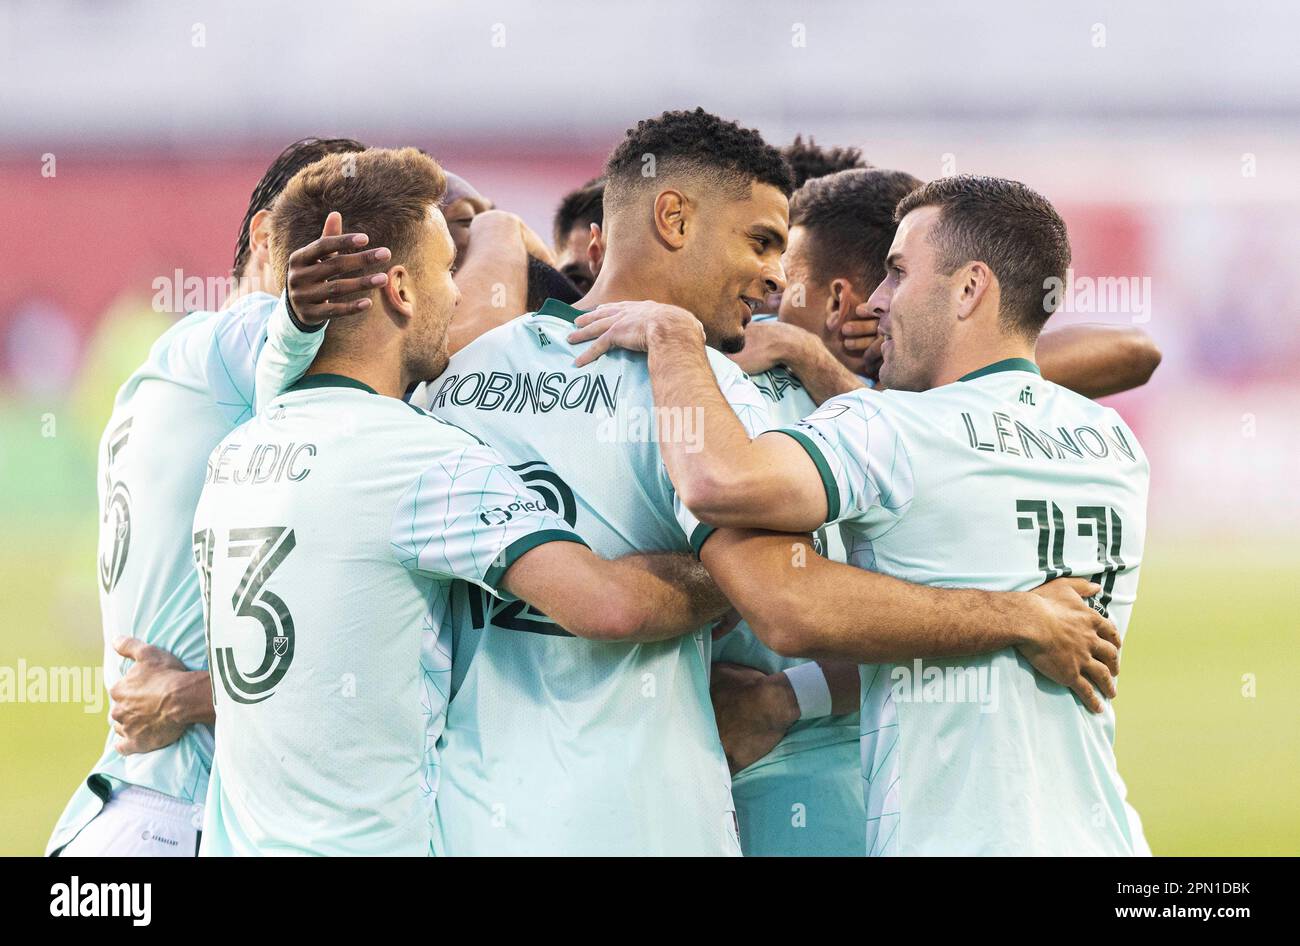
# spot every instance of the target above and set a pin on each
(330, 381)
(561, 310)
(1007, 364)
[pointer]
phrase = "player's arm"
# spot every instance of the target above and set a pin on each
(801, 604)
(645, 597)
(1096, 360)
(722, 476)
(776, 343)
(157, 699)
(755, 710)
(469, 516)
(492, 277)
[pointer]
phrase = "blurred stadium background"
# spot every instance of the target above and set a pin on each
(131, 134)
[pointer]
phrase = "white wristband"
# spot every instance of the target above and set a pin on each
(811, 691)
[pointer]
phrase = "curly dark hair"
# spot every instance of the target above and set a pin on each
(808, 160)
(849, 217)
(728, 156)
(1006, 225)
(586, 205)
(289, 162)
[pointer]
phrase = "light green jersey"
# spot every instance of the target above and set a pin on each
(804, 798)
(556, 745)
(1000, 481)
(327, 536)
(193, 389)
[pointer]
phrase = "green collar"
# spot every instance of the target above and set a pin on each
(330, 381)
(561, 310)
(1007, 364)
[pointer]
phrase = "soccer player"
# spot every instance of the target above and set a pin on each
(327, 535)
(971, 470)
(618, 741)
(195, 386)
(579, 248)
(842, 225)
(144, 796)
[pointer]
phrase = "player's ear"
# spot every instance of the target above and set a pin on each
(596, 249)
(399, 292)
(671, 214)
(259, 239)
(976, 282)
(840, 303)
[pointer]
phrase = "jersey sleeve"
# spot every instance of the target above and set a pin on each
(861, 457)
(751, 407)
(288, 353)
(231, 356)
(470, 516)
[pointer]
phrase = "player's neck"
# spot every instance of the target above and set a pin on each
(624, 284)
(964, 358)
(383, 376)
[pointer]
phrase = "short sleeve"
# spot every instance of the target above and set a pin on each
(470, 516)
(751, 407)
(861, 458)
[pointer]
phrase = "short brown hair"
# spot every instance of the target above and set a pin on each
(1015, 231)
(384, 193)
(849, 217)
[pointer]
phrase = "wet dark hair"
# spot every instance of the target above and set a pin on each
(289, 162)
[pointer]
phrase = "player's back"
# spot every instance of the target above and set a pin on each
(1000, 481)
(556, 745)
(328, 667)
(194, 386)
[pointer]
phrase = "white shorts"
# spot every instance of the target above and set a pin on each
(139, 822)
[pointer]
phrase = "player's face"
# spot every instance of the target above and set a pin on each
(571, 258)
(436, 298)
(734, 261)
(461, 204)
(916, 305)
(803, 303)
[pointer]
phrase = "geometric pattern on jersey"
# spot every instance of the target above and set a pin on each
(1002, 481)
(599, 747)
(194, 386)
(328, 535)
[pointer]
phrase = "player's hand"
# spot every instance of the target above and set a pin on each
(768, 344)
(860, 335)
(1072, 643)
(156, 699)
(628, 325)
(754, 711)
(333, 277)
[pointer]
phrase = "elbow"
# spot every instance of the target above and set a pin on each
(613, 621)
(1146, 358)
(1142, 357)
(711, 498)
(784, 628)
